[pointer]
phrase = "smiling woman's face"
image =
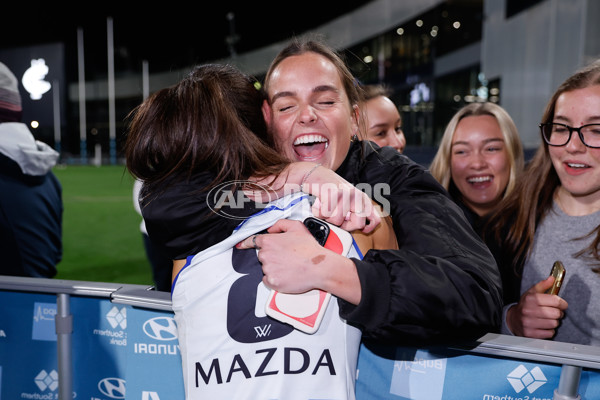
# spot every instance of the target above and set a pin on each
(309, 114)
(479, 162)
(384, 125)
(578, 166)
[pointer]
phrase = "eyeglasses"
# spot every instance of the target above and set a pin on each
(560, 134)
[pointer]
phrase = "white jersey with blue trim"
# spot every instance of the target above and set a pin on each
(232, 350)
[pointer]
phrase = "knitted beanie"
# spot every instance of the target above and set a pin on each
(10, 99)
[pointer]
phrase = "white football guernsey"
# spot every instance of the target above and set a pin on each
(232, 350)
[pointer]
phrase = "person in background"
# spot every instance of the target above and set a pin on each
(553, 214)
(442, 283)
(160, 262)
(479, 159)
(31, 206)
(383, 121)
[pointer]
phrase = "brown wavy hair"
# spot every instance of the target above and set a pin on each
(211, 121)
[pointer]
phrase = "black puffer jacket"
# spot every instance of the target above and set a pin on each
(443, 283)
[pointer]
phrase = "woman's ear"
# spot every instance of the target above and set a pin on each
(356, 121)
(266, 110)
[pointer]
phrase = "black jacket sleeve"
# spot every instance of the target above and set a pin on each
(509, 264)
(443, 283)
(179, 218)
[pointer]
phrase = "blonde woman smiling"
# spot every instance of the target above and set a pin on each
(479, 158)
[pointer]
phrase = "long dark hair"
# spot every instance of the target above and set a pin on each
(515, 221)
(211, 121)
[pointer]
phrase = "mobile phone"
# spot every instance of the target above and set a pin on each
(319, 229)
(329, 236)
(305, 311)
(558, 272)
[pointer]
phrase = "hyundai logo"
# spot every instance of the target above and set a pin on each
(112, 387)
(161, 328)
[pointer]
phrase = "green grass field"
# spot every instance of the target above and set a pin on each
(101, 237)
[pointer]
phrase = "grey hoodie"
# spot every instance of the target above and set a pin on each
(17, 143)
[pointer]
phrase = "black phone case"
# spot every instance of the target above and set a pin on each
(319, 229)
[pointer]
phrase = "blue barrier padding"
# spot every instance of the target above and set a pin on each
(123, 343)
(117, 349)
(407, 373)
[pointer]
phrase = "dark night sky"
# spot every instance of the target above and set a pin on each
(171, 35)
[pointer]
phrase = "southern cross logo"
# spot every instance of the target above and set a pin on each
(45, 380)
(520, 378)
(117, 317)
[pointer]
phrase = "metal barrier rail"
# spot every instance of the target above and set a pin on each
(137, 295)
(572, 357)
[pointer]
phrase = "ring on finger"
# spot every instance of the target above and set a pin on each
(254, 242)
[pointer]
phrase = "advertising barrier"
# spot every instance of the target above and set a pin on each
(103, 341)
(118, 350)
(399, 373)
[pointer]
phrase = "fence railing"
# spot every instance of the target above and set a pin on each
(140, 336)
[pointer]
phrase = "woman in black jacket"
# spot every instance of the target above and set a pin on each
(442, 283)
